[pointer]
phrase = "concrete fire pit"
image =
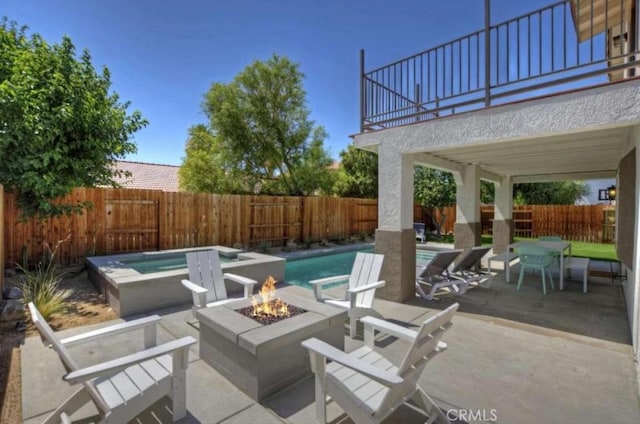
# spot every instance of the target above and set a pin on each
(263, 359)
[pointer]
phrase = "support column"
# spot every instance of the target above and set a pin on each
(503, 216)
(468, 228)
(395, 236)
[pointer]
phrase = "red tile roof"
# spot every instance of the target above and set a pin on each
(150, 176)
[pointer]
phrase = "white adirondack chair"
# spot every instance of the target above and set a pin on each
(121, 388)
(206, 280)
(366, 385)
(363, 282)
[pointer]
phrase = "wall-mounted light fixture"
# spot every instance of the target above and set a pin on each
(608, 193)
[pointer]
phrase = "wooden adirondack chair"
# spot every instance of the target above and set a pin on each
(121, 388)
(366, 385)
(206, 280)
(436, 275)
(363, 282)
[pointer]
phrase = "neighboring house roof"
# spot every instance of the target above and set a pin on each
(150, 176)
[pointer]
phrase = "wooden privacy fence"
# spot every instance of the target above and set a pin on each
(589, 223)
(127, 220)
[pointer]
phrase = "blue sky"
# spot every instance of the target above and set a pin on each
(164, 55)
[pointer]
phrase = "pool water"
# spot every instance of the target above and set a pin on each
(162, 263)
(300, 271)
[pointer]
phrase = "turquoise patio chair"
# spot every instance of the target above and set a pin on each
(535, 257)
(554, 254)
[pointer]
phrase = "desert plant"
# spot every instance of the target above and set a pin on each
(263, 247)
(290, 246)
(42, 284)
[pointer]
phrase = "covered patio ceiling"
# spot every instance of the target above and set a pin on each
(575, 156)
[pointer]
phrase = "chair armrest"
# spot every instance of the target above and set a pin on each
(389, 328)
(367, 287)
(329, 352)
(111, 330)
(115, 365)
(240, 279)
(196, 289)
(248, 283)
(319, 283)
(329, 280)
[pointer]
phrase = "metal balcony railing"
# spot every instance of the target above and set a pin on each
(567, 45)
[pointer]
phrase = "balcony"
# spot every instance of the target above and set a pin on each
(565, 46)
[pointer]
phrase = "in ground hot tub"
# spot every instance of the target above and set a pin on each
(141, 282)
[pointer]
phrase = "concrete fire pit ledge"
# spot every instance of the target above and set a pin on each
(263, 359)
(130, 292)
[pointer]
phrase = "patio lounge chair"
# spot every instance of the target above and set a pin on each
(469, 267)
(206, 280)
(420, 228)
(363, 282)
(366, 385)
(121, 388)
(436, 275)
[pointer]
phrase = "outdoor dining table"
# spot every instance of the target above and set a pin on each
(555, 246)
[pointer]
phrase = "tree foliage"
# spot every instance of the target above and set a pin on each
(434, 189)
(554, 193)
(358, 174)
(60, 127)
(260, 135)
(203, 169)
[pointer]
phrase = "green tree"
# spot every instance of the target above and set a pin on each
(60, 127)
(554, 193)
(358, 174)
(263, 133)
(203, 169)
(434, 189)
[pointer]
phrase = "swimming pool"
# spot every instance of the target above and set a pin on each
(300, 271)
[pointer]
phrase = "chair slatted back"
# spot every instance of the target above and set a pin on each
(206, 271)
(439, 264)
(50, 339)
(421, 351)
(534, 256)
(471, 260)
(366, 270)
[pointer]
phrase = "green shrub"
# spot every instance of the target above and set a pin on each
(42, 284)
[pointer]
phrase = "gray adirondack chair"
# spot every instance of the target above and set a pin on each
(206, 280)
(366, 385)
(363, 282)
(121, 388)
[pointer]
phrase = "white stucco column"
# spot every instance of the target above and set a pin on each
(395, 190)
(632, 293)
(395, 236)
(503, 215)
(468, 227)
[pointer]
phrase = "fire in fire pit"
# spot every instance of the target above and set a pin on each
(270, 309)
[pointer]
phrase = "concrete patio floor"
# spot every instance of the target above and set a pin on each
(513, 357)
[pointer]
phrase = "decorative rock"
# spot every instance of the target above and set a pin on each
(12, 310)
(9, 272)
(12, 293)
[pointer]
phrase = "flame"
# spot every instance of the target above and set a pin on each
(269, 306)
